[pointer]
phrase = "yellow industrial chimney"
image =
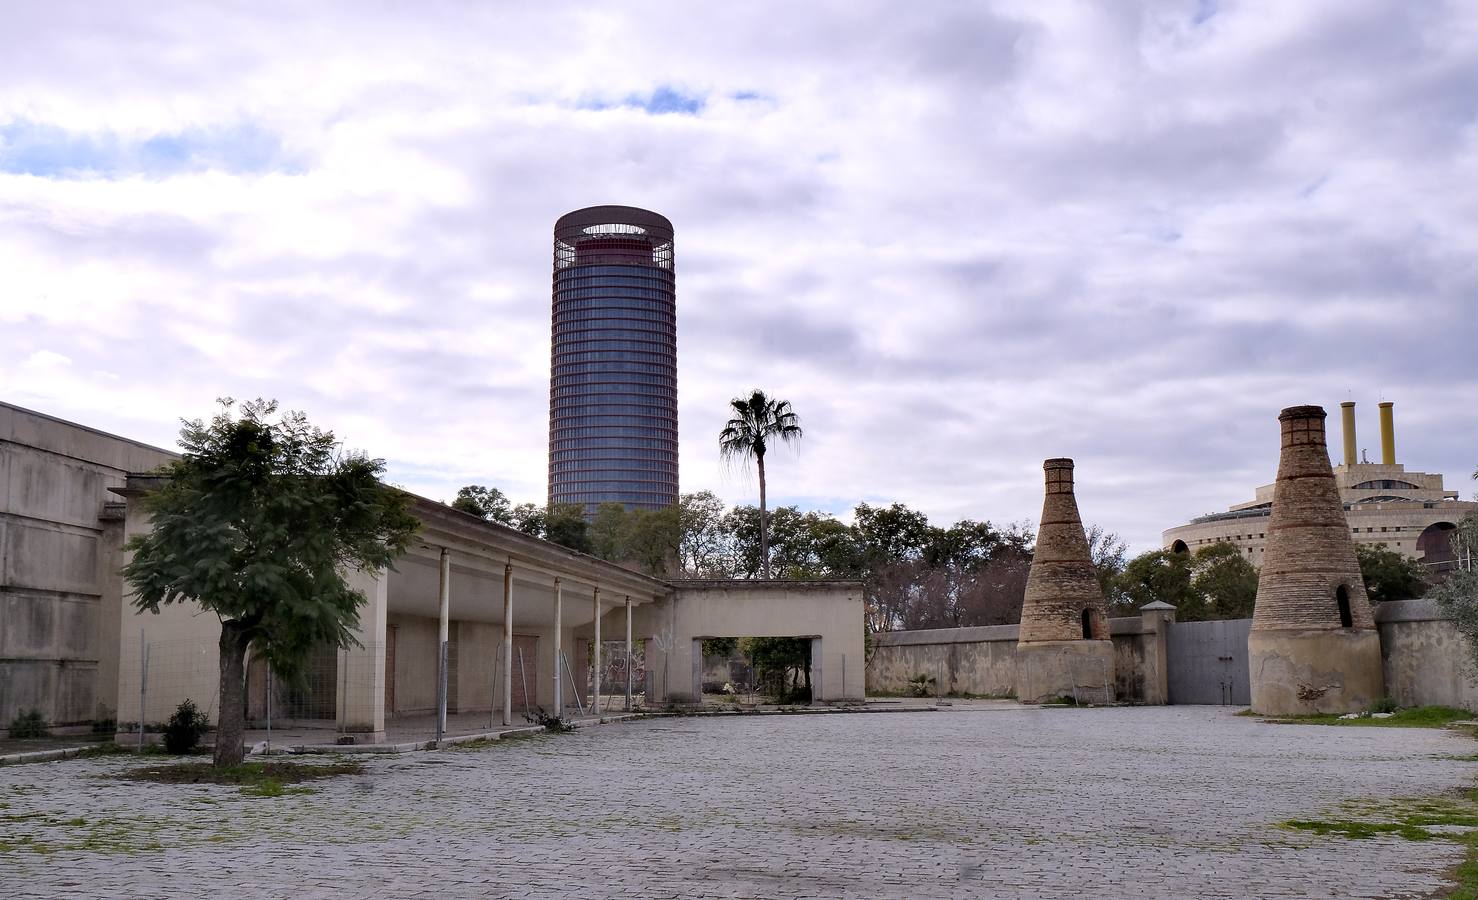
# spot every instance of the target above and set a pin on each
(1347, 419)
(1387, 435)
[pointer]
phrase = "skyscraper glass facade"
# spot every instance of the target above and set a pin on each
(613, 375)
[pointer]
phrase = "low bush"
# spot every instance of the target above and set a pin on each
(551, 722)
(29, 724)
(1383, 705)
(921, 686)
(183, 730)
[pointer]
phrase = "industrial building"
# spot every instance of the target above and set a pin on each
(519, 617)
(613, 352)
(1385, 505)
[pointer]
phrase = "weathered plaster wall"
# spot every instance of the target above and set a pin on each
(983, 661)
(1427, 660)
(831, 611)
(58, 553)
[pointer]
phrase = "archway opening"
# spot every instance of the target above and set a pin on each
(1434, 548)
(1179, 547)
(1342, 600)
(1087, 624)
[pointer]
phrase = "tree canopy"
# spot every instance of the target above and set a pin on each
(757, 422)
(257, 522)
(1389, 574)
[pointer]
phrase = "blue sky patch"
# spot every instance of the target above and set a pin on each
(31, 148)
(663, 100)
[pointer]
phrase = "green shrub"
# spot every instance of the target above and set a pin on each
(551, 722)
(183, 730)
(1383, 705)
(921, 686)
(29, 724)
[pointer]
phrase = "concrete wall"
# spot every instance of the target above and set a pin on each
(60, 532)
(982, 661)
(1427, 661)
(829, 611)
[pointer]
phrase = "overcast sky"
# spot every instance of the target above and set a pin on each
(960, 238)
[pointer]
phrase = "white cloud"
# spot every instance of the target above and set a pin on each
(960, 239)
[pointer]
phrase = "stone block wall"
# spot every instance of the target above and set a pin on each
(60, 538)
(982, 661)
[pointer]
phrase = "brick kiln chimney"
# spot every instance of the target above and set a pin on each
(1064, 639)
(1313, 646)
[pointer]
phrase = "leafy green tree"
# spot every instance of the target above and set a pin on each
(1390, 575)
(890, 533)
(1109, 554)
(529, 518)
(608, 532)
(256, 522)
(485, 503)
(1224, 580)
(758, 421)
(1158, 575)
(1457, 595)
(779, 664)
(564, 524)
(703, 543)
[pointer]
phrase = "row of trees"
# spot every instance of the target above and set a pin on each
(918, 575)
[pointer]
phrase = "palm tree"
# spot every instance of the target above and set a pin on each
(757, 422)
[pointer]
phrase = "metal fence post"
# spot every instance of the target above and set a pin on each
(523, 678)
(579, 707)
(269, 711)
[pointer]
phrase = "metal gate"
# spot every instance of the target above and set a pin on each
(1208, 662)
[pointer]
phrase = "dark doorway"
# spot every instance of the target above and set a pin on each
(1179, 547)
(1087, 624)
(1342, 599)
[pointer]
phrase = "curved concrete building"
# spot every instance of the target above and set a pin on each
(1385, 506)
(613, 372)
(1063, 649)
(1313, 646)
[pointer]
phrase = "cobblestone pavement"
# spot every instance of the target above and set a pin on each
(1153, 802)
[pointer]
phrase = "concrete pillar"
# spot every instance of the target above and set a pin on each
(559, 696)
(818, 693)
(697, 651)
(444, 636)
(1156, 620)
(508, 644)
(1347, 420)
(630, 674)
(595, 657)
(1387, 435)
(361, 695)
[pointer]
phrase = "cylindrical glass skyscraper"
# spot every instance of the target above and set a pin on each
(613, 373)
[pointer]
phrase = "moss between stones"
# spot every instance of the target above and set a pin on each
(1413, 820)
(1415, 717)
(256, 779)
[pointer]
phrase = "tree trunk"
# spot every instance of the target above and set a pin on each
(764, 530)
(231, 722)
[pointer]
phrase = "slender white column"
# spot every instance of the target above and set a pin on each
(595, 657)
(559, 697)
(443, 661)
(508, 644)
(629, 674)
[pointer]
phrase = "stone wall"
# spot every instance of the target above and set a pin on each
(60, 536)
(1426, 660)
(982, 661)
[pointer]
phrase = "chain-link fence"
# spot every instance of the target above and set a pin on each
(391, 692)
